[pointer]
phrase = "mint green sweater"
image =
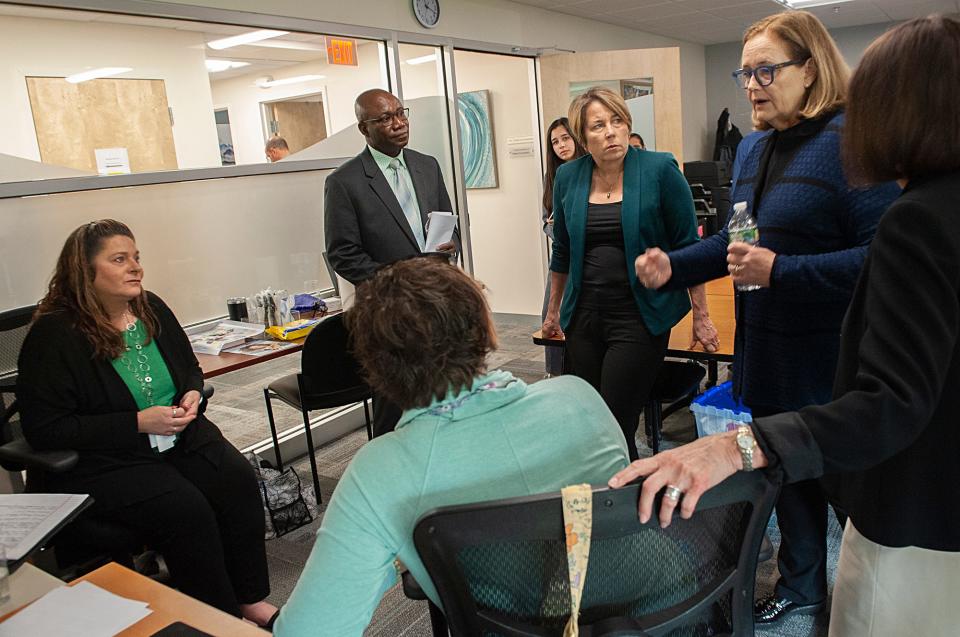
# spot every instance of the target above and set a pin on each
(510, 439)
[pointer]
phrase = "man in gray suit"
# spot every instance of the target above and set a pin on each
(376, 205)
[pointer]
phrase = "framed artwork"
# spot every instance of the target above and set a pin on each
(476, 139)
(630, 89)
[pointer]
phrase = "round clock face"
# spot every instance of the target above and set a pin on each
(427, 12)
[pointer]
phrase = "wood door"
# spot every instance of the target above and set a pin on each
(300, 123)
(73, 120)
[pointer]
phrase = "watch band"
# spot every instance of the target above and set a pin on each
(746, 443)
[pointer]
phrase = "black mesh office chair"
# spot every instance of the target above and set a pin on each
(329, 377)
(500, 567)
(677, 384)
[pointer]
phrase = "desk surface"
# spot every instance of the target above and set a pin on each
(720, 303)
(168, 605)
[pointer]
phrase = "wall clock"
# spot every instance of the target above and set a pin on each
(427, 12)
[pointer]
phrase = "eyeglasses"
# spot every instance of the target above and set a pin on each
(764, 75)
(387, 118)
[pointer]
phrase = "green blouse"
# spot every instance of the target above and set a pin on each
(147, 363)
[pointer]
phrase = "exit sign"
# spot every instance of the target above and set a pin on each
(340, 51)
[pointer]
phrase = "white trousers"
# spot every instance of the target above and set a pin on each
(894, 592)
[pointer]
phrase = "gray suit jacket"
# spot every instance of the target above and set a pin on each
(364, 225)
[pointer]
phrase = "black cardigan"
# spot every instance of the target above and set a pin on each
(71, 400)
(889, 443)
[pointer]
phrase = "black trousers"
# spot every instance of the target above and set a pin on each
(802, 557)
(209, 528)
(613, 350)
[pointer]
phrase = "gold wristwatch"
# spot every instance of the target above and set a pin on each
(746, 443)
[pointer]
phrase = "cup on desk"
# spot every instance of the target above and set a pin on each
(237, 308)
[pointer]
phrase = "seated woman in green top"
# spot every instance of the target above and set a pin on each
(608, 207)
(422, 331)
(107, 371)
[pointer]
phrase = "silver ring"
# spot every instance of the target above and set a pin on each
(672, 493)
(174, 412)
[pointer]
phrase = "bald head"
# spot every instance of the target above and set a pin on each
(382, 120)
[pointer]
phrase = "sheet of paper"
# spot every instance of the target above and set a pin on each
(83, 610)
(28, 517)
(440, 227)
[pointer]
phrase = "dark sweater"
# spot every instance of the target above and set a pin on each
(788, 335)
(889, 442)
(70, 400)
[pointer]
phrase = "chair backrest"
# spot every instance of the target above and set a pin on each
(326, 362)
(500, 567)
(14, 325)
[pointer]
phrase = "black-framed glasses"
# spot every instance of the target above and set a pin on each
(764, 75)
(387, 118)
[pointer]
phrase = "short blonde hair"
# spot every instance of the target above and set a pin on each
(806, 37)
(578, 110)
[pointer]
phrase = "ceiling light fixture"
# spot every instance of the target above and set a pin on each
(290, 44)
(93, 74)
(423, 59)
(267, 82)
(807, 4)
(245, 38)
(216, 66)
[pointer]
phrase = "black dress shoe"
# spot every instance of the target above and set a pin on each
(771, 610)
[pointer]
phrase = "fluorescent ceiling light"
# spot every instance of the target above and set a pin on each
(423, 60)
(215, 66)
(290, 44)
(93, 74)
(806, 4)
(245, 38)
(264, 83)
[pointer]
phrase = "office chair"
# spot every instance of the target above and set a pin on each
(677, 384)
(329, 377)
(500, 568)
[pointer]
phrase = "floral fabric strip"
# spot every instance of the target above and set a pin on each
(578, 525)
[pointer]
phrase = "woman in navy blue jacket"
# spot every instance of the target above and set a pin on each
(814, 234)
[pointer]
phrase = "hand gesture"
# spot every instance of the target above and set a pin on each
(653, 268)
(164, 420)
(704, 333)
(551, 326)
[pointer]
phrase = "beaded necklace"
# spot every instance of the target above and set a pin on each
(138, 364)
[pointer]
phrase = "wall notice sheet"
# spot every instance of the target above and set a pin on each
(30, 518)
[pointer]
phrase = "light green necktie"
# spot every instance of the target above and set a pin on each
(407, 202)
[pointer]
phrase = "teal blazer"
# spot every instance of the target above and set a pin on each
(657, 211)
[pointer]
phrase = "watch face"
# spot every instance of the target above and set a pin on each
(427, 12)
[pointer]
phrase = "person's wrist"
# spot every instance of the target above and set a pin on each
(734, 457)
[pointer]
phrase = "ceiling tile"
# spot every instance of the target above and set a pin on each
(653, 12)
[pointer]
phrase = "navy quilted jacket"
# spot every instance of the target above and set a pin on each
(788, 335)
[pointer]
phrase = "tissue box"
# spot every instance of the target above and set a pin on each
(716, 410)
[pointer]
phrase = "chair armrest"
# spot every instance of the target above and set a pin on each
(19, 452)
(411, 588)
(207, 391)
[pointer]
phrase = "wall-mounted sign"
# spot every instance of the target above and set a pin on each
(112, 161)
(341, 51)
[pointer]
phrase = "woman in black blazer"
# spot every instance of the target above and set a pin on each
(107, 371)
(887, 445)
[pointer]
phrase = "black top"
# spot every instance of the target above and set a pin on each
(888, 443)
(70, 400)
(605, 281)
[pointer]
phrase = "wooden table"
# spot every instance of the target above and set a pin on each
(168, 605)
(720, 304)
(229, 362)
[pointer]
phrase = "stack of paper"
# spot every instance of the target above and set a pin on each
(83, 610)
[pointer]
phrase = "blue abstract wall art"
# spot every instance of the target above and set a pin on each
(476, 139)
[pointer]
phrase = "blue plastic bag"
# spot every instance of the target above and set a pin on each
(716, 410)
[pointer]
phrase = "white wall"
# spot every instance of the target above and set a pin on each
(505, 221)
(504, 22)
(201, 241)
(57, 48)
(723, 59)
(340, 87)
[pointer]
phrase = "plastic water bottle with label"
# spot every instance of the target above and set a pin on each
(743, 227)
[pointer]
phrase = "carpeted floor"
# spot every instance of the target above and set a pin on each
(239, 411)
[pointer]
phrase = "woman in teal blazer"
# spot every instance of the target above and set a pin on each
(608, 208)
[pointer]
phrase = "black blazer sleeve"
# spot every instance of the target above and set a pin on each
(176, 346)
(342, 234)
(55, 370)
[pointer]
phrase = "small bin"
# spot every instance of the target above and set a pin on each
(716, 410)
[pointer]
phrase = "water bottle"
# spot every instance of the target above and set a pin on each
(743, 227)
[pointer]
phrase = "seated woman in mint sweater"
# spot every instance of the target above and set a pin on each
(422, 331)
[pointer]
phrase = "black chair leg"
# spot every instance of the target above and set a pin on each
(273, 428)
(438, 623)
(656, 422)
(366, 414)
(311, 454)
